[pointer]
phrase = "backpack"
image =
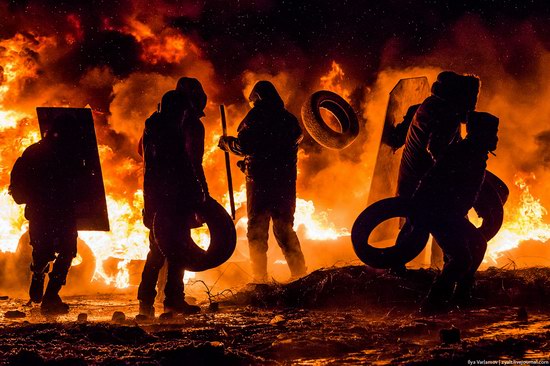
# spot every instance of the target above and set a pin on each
(20, 181)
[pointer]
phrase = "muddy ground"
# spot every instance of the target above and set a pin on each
(339, 316)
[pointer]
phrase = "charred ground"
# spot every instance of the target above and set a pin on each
(347, 315)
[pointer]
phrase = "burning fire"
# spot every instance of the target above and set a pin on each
(20, 61)
(317, 225)
(334, 81)
(524, 222)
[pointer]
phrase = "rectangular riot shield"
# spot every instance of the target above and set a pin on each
(407, 92)
(91, 205)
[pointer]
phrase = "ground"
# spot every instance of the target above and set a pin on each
(307, 322)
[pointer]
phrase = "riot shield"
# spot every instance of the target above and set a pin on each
(407, 92)
(91, 205)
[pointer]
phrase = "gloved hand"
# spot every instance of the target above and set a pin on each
(225, 141)
(242, 165)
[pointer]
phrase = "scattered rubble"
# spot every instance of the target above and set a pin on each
(118, 317)
(361, 329)
(14, 314)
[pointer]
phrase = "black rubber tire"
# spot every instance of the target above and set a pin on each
(373, 216)
(317, 127)
(223, 238)
(489, 207)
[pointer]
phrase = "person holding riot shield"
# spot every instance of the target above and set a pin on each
(44, 178)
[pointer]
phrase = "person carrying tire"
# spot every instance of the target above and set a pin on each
(268, 138)
(44, 178)
(433, 126)
(441, 203)
(174, 187)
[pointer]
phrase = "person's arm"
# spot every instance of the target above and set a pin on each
(396, 139)
(243, 143)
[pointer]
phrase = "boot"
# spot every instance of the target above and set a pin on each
(146, 309)
(180, 307)
(259, 268)
(51, 303)
(462, 296)
(437, 301)
(36, 291)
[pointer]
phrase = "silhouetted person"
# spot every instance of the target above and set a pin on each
(433, 126)
(441, 204)
(268, 138)
(44, 178)
(174, 187)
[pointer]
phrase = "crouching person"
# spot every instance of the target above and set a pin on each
(43, 178)
(441, 204)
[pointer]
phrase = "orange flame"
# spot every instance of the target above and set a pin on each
(335, 80)
(128, 239)
(524, 222)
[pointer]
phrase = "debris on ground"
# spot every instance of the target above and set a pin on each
(118, 317)
(14, 314)
(334, 320)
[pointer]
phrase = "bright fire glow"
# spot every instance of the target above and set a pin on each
(334, 81)
(12, 222)
(317, 225)
(524, 222)
(128, 238)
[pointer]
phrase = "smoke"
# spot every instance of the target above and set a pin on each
(543, 148)
(135, 98)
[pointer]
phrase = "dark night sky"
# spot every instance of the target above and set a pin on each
(505, 43)
(260, 35)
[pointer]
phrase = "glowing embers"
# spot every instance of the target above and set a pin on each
(524, 222)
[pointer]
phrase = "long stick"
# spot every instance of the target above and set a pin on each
(228, 165)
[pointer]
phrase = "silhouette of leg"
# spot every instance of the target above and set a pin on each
(283, 222)
(173, 236)
(257, 234)
(149, 277)
(477, 245)
(452, 236)
(42, 253)
(67, 247)
(258, 229)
